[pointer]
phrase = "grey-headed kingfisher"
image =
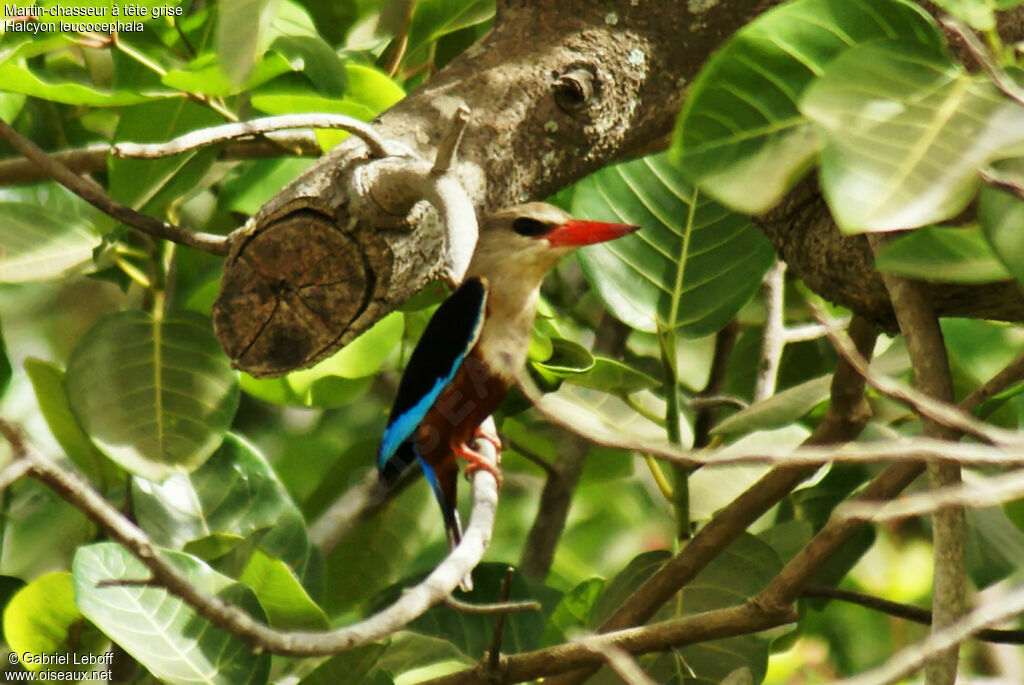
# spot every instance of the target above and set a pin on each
(475, 344)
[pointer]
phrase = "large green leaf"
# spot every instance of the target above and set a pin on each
(778, 410)
(906, 131)
(740, 133)
(156, 395)
(692, 264)
(235, 492)
(160, 631)
(19, 79)
(41, 619)
(943, 254)
(43, 242)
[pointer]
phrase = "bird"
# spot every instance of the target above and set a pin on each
(474, 346)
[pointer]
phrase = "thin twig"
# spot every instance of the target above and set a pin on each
(93, 158)
(255, 127)
(494, 650)
(990, 492)
(94, 195)
(432, 590)
(812, 331)
(930, 408)
(489, 609)
(450, 143)
(974, 46)
(906, 611)
(912, 658)
(773, 340)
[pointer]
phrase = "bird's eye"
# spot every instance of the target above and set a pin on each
(530, 228)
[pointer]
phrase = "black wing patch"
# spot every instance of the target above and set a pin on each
(448, 338)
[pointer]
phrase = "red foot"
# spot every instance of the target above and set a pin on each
(476, 460)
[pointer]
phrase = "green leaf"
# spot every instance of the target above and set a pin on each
(235, 493)
(207, 75)
(436, 18)
(779, 409)
(48, 383)
(906, 131)
(160, 631)
(347, 668)
(567, 359)
(573, 612)
(612, 376)
(19, 79)
(787, 538)
(42, 619)
(155, 395)
(738, 573)
(690, 267)
(239, 25)
(740, 134)
(1001, 215)
(943, 254)
(625, 582)
(281, 595)
(43, 242)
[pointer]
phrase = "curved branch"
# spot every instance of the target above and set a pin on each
(433, 589)
(94, 195)
(254, 127)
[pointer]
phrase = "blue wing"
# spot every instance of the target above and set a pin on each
(448, 338)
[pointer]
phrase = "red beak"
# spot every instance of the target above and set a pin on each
(577, 232)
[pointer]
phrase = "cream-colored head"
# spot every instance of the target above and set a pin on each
(526, 241)
(516, 248)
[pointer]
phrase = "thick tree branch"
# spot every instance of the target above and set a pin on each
(932, 378)
(433, 589)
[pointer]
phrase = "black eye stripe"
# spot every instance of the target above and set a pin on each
(530, 227)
